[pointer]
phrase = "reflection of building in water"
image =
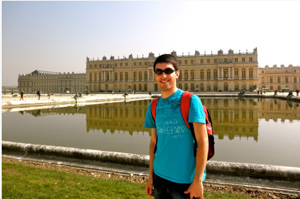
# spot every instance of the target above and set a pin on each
(273, 109)
(116, 117)
(233, 117)
(56, 111)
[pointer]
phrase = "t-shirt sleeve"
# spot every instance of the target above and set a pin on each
(149, 122)
(196, 112)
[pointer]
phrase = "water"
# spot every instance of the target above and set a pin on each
(263, 131)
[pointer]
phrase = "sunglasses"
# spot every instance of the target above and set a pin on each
(166, 71)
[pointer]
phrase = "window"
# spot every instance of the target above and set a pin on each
(215, 73)
(116, 65)
(185, 61)
(121, 64)
(192, 74)
(250, 59)
(251, 73)
(126, 76)
(236, 73)
(140, 76)
(208, 61)
(243, 59)
(134, 63)
(243, 73)
(271, 79)
(192, 61)
(145, 63)
(126, 64)
(179, 62)
(236, 59)
(215, 61)
(116, 76)
(286, 80)
(202, 74)
(121, 76)
(278, 80)
(225, 60)
(208, 74)
(186, 74)
(140, 63)
(201, 61)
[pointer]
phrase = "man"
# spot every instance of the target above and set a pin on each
(174, 171)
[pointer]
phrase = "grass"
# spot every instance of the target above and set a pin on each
(19, 181)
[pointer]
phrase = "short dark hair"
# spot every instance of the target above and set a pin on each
(166, 58)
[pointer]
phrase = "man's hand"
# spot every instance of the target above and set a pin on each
(149, 187)
(195, 190)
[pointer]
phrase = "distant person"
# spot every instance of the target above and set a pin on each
(22, 95)
(297, 91)
(49, 94)
(39, 94)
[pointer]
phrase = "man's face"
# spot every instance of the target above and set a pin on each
(166, 81)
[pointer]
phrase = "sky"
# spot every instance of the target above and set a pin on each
(58, 36)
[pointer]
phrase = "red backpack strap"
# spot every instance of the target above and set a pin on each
(185, 106)
(153, 107)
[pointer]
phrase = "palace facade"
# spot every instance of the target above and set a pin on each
(52, 82)
(277, 78)
(205, 72)
(199, 72)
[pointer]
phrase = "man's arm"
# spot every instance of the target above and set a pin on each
(149, 185)
(196, 188)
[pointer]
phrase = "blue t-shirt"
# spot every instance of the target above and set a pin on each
(174, 158)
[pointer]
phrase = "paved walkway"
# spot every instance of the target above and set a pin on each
(9, 101)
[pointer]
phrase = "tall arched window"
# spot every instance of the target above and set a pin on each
(250, 73)
(243, 73)
(192, 74)
(186, 87)
(186, 75)
(121, 76)
(208, 74)
(180, 86)
(126, 76)
(215, 73)
(145, 76)
(225, 86)
(236, 73)
(140, 76)
(116, 76)
(201, 74)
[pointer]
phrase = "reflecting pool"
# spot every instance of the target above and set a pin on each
(263, 131)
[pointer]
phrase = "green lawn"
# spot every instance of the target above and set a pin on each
(24, 182)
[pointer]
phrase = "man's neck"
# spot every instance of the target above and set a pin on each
(168, 93)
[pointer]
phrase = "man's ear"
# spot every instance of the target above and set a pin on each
(177, 73)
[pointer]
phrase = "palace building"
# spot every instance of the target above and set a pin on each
(199, 72)
(52, 82)
(277, 78)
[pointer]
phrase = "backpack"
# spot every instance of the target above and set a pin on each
(184, 107)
